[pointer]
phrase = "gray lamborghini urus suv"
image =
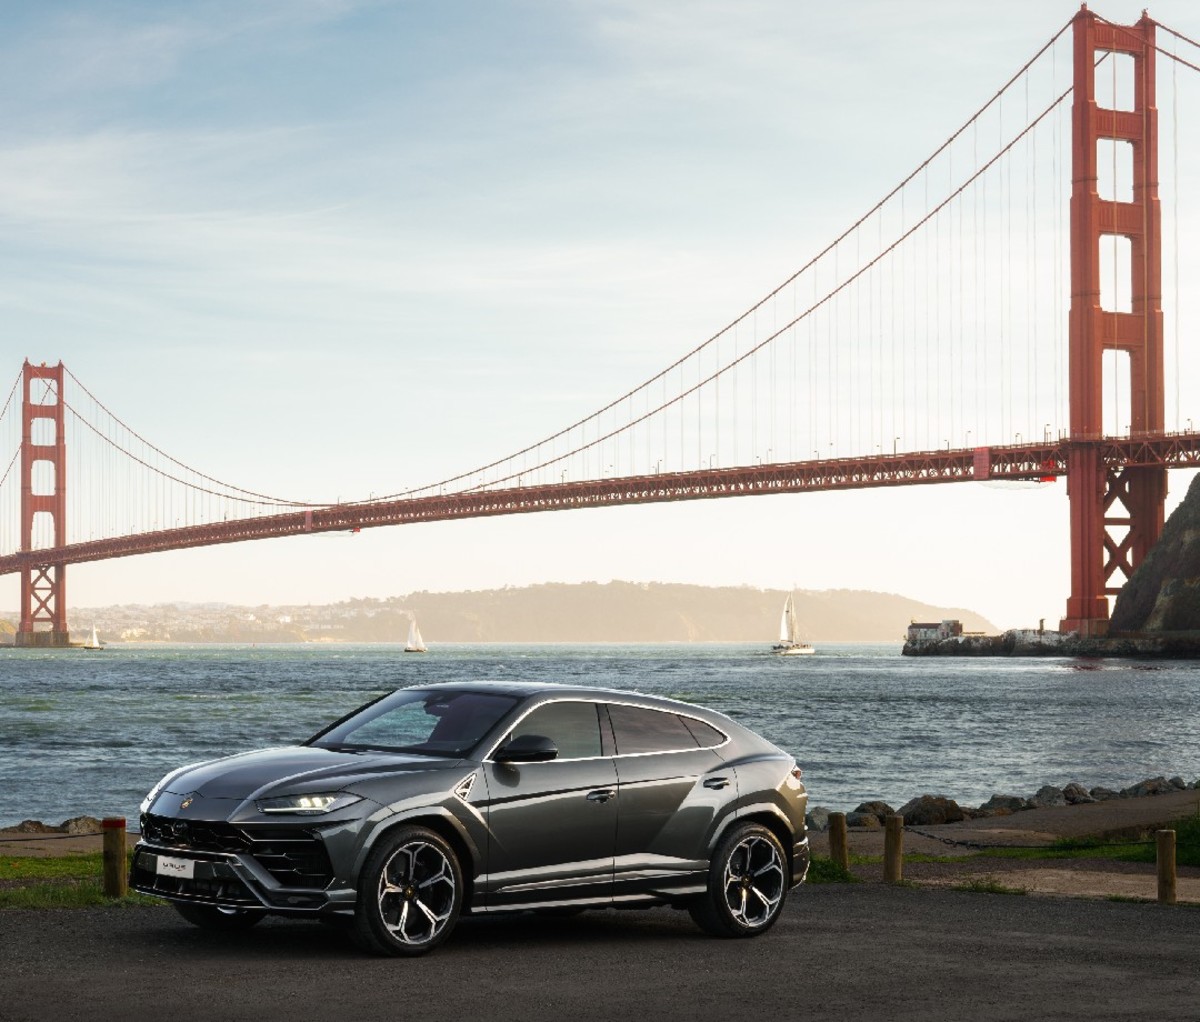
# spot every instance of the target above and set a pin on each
(436, 801)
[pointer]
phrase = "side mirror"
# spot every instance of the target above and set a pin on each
(527, 749)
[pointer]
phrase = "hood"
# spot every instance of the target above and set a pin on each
(293, 769)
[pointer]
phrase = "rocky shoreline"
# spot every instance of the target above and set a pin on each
(1156, 614)
(1041, 642)
(931, 810)
(76, 826)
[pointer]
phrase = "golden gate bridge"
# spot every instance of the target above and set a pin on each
(998, 315)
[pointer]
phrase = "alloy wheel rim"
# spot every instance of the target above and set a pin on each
(754, 881)
(416, 892)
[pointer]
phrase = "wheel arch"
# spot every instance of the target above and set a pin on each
(766, 817)
(445, 828)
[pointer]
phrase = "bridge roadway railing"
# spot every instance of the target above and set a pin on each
(1029, 461)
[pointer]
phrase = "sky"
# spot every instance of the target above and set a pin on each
(335, 248)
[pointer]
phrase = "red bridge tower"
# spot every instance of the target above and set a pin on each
(1116, 511)
(43, 586)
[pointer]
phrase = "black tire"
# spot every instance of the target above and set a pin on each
(410, 894)
(209, 917)
(747, 884)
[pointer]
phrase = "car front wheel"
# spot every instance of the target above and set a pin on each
(747, 884)
(410, 894)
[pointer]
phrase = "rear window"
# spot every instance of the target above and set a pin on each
(707, 737)
(639, 730)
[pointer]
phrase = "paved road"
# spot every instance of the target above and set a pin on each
(839, 953)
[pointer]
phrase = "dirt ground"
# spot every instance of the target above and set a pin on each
(964, 841)
(969, 840)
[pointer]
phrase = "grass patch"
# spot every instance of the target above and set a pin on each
(69, 881)
(1187, 844)
(1187, 848)
(61, 895)
(67, 867)
(826, 871)
(982, 885)
(864, 860)
(1072, 848)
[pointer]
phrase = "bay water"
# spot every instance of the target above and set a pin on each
(84, 733)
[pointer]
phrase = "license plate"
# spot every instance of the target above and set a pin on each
(183, 868)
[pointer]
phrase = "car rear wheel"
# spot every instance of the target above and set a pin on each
(410, 894)
(747, 884)
(210, 917)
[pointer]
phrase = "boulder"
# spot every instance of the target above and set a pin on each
(81, 825)
(1048, 796)
(929, 810)
(33, 827)
(1150, 786)
(1178, 783)
(880, 809)
(1103, 794)
(868, 820)
(817, 818)
(1163, 594)
(1001, 805)
(1076, 794)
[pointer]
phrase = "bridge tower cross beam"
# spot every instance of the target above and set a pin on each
(1100, 549)
(43, 586)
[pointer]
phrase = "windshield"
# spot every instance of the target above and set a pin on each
(434, 723)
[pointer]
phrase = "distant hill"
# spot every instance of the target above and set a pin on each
(668, 612)
(552, 612)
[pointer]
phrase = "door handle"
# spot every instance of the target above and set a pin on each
(601, 795)
(716, 783)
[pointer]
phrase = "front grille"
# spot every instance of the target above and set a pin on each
(294, 856)
(193, 835)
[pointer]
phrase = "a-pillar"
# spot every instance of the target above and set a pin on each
(43, 443)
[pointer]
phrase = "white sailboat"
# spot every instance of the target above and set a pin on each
(93, 641)
(790, 643)
(415, 643)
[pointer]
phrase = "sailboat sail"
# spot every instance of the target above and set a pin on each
(787, 622)
(790, 643)
(415, 643)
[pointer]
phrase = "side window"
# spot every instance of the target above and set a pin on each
(707, 736)
(641, 730)
(573, 727)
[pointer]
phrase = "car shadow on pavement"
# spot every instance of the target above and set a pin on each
(298, 939)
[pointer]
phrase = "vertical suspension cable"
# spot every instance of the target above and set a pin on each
(1175, 224)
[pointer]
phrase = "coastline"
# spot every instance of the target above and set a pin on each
(1036, 642)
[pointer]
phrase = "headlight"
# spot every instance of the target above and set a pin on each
(307, 805)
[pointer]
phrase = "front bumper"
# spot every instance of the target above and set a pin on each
(271, 868)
